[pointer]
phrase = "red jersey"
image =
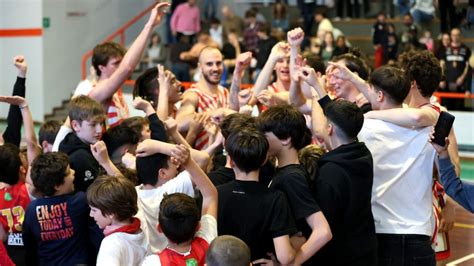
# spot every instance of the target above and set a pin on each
(13, 203)
(207, 102)
(196, 256)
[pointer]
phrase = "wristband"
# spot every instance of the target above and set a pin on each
(23, 106)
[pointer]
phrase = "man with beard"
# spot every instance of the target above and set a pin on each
(204, 96)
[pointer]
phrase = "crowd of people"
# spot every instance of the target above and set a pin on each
(331, 163)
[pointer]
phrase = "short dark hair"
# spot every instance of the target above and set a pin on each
(136, 123)
(103, 52)
(179, 217)
(392, 81)
(10, 162)
(247, 147)
(316, 62)
(49, 130)
(422, 67)
(250, 13)
(145, 84)
(83, 108)
(346, 116)
(48, 171)
(354, 63)
(119, 135)
(265, 28)
(113, 195)
(285, 121)
(235, 121)
(149, 166)
(228, 250)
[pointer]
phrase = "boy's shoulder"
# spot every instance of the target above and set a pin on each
(73, 146)
(73, 201)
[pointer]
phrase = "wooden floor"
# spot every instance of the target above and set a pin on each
(461, 240)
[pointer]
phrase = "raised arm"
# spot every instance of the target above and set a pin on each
(12, 133)
(164, 80)
(279, 51)
(342, 72)
(208, 190)
(104, 90)
(99, 151)
(30, 135)
(200, 157)
(241, 64)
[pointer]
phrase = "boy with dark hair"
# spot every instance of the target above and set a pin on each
(113, 203)
(47, 134)
(82, 144)
(228, 250)
(188, 236)
(158, 175)
(245, 203)
(343, 187)
(286, 131)
(119, 141)
(56, 227)
(14, 200)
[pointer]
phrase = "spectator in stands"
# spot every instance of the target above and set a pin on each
(179, 66)
(203, 40)
(327, 47)
(157, 53)
(441, 45)
(403, 6)
(323, 25)
(232, 22)
(391, 46)
(250, 32)
(427, 40)
(231, 49)
(341, 46)
(209, 9)
(280, 17)
(379, 38)
(215, 31)
(447, 15)
(264, 48)
(457, 70)
(423, 11)
(186, 20)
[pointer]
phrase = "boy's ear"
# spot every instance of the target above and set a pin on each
(75, 125)
(286, 142)
(158, 227)
(161, 174)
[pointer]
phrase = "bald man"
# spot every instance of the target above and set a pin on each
(203, 97)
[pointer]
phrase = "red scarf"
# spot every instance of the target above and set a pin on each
(129, 228)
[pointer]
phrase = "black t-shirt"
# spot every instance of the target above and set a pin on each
(223, 175)
(254, 213)
(456, 59)
(293, 181)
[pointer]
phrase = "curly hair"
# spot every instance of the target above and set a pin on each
(48, 171)
(422, 67)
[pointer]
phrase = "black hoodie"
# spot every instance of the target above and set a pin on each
(81, 160)
(343, 190)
